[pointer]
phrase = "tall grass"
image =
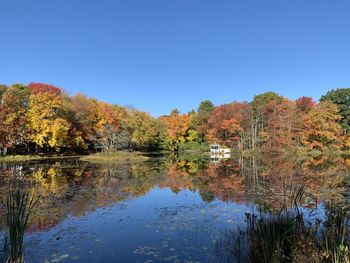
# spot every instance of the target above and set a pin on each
(335, 235)
(288, 236)
(19, 207)
(271, 235)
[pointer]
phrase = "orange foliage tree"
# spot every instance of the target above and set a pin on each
(43, 117)
(225, 123)
(178, 127)
(13, 116)
(321, 127)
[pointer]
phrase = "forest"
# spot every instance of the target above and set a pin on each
(42, 118)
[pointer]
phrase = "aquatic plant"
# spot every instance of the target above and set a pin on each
(335, 234)
(271, 235)
(289, 236)
(19, 207)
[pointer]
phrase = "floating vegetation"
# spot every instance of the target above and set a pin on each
(60, 258)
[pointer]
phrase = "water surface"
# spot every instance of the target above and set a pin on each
(173, 209)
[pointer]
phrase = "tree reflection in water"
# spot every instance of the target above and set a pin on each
(75, 188)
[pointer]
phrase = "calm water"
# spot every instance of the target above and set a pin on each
(167, 210)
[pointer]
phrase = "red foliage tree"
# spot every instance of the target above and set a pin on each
(304, 104)
(36, 88)
(225, 123)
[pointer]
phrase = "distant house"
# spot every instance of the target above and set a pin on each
(219, 153)
(218, 149)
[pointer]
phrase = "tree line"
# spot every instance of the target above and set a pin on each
(43, 118)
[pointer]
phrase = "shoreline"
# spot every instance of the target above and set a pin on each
(24, 158)
(125, 156)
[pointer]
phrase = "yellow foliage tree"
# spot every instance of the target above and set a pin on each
(48, 127)
(321, 128)
(146, 131)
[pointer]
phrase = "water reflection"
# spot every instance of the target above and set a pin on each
(73, 189)
(217, 158)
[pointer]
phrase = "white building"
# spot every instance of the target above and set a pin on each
(219, 153)
(217, 149)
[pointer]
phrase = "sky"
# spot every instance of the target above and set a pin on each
(157, 55)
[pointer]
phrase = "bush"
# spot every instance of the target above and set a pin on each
(193, 147)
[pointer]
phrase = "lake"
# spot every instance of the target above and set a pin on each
(170, 209)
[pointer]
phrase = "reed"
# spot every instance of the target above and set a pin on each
(271, 235)
(289, 236)
(19, 208)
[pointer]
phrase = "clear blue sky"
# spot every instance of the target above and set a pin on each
(165, 54)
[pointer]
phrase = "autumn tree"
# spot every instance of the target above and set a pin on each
(200, 118)
(174, 112)
(258, 119)
(3, 132)
(83, 115)
(279, 130)
(46, 115)
(39, 88)
(13, 115)
(109, 125)
(146, 132)
(321, 128)
(2, 91)
(225, 123)
(304, 104)
(340, 97)
(43, 115)
(178, 126)
(261, 100)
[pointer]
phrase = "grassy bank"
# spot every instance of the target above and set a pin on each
(301, 152)
(24, 158)
(116, 157)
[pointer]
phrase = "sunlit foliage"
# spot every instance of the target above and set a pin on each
(43, 118)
